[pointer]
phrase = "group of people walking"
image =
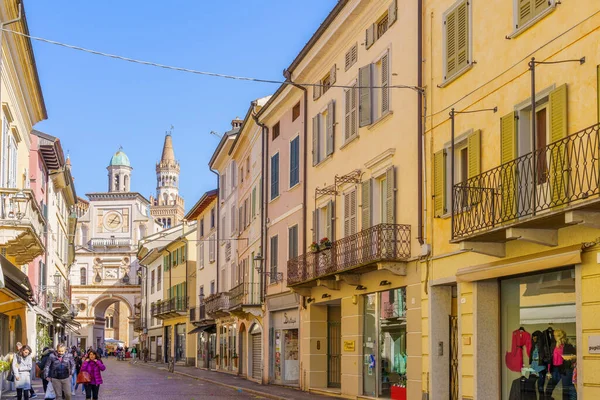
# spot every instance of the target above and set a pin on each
(63, 369)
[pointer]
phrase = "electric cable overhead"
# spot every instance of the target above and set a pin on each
(197, 72)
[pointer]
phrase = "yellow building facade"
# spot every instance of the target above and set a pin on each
(511, 282)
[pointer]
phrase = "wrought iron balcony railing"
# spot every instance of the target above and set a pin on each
(382, 242)
(174, 305)
(139, 324)
(217, 304)
(563, 172)
(245, 293)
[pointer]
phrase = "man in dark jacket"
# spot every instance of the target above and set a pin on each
(42, 364)
(58, 370)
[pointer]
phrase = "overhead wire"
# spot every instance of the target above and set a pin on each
(197, 72)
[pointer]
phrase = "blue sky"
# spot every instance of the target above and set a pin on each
(96, 104)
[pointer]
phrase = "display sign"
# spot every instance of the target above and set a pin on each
(594, 344)
(349, 345)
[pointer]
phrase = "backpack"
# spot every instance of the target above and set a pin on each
(62, 370)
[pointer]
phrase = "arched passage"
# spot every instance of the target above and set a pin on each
(121, 310)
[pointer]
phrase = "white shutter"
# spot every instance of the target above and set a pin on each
(392, 13)
(201, 247)
(385, 83)
(364, 107)
(347, 114)
(370, 36)
(315, 139)
(332, 74)
(330, 128)
(350, 213)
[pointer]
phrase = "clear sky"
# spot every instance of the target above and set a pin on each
(97, 104)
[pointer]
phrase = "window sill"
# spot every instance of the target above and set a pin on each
(352, 139)
(274, 198)
(294, 187)
(381, 119)
(456, 75)
(323, 161)
(529, 24)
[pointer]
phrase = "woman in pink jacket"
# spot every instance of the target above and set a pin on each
(93, 365)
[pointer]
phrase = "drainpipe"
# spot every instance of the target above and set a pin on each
(264, 210)
(218, 225)
(420, 124)
(288, 76)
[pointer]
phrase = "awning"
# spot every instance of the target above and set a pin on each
(134, 341)
(43, 313)
(200, 329)
(545, 260)
(13, 279)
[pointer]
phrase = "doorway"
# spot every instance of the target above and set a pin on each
(256, 343)
(334, 346)
(241, 357)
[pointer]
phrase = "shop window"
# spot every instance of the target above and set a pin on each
(539, 335)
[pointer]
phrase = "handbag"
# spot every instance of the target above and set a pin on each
(10, 376)
(50, 394)
(38, 371)
(84, 377)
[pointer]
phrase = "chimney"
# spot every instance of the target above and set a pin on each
(236, 123)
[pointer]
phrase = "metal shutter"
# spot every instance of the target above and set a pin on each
(256, 356)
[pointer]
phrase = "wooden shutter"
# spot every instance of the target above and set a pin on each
(392, 13)
(315, 139)
(364, 94)
(559, 175)
(347, 114)
(439, 183)
(390, 201)
(539, 6)
(253, 201)
(329, 223)
(462, 35)
(385, 83)
(315, 218)
(201, 255)
(450, 26)
(370, 36)
(317, 91)
(354, 111)
(350, 213)
(524, 12)
(474, 154)
(366, 204)
(508, 152)
(330, 129)
(332, 74)
(351, 57)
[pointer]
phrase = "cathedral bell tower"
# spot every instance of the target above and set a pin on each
(119, 172)
(168, 207)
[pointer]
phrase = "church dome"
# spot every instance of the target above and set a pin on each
(120, 158)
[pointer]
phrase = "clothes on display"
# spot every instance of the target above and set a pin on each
(514, 358)
(535, 358)
(523, 389)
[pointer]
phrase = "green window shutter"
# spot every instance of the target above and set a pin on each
(330, 222)
(439, 183)
(385, 83)
(365, 200)
(330, 129)
(559, 177)
(474, 153)
(364, 94)
(524, 12)
(508, 152)
(450, 27)
(390, 201)
(370, 36)
(315, 139)
(392, 13)
(462, 35)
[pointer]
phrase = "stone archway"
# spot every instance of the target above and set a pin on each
(97, 312)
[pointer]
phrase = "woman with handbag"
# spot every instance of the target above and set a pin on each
(93, 366)
(22, 364)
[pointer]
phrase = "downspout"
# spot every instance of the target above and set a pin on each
(263, 208)
(217, 223)
(288, 75)
(420, 124)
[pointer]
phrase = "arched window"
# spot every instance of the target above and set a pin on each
(83, 274)
(109, 322)
(127, 183)
(116, 182)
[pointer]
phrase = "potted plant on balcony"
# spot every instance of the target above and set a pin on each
(314, 247)
(325, 243)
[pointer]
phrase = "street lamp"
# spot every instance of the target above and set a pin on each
(57, 277)
(126, 278)
(21, 201)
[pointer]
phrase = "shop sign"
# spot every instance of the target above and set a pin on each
(349, 345)
(594, 344)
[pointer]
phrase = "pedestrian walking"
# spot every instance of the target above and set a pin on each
(77, 359)
(145, 352)
(133, 353)
(42, 364)
(22, 365)
(58, 370)
(93, 365)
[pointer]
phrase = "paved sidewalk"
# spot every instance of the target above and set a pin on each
(235, 382)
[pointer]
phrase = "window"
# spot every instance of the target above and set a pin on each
(248, 165)
(83, 276)
(296, 112)
(324, 133)
(274, 252)
(350, 113)
(374, 103)
(233, 171)
(274, 176)
(223, 186)
(212, 287)
(351, 56)
(379, 28)
(295, 161)
(110, 322)
(223, 229)
(9, 156)
(158, 279)
(467, 161)
(202, 227)
(211, 248)
(457, 39)
(212, 218)
(247, 212)
(201, 255)
(325, 83)
(253, 202)
(152, 281)
(232, 220)
(350, 213)
(527, 12)
(292, 242)
(275, 131)
(322, 222)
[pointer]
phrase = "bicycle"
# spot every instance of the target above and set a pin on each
(171, 365)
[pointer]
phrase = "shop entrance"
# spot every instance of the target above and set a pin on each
(167, 343)
(180, 354)
(453, 328)
(334, 346)
(256, 343)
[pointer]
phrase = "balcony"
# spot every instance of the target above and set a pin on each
(139, 324)
(198, 314)
(533, 195)
(22, 225)
(173, 307)
(58, 296)
(244, 295)
(382, 246)
(110, 244)
(217, 305)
